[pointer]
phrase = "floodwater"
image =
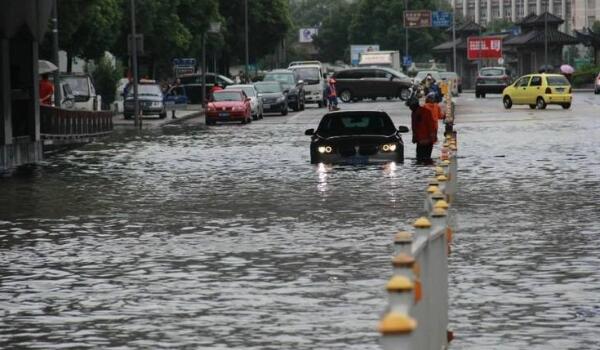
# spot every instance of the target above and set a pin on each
(227, 238)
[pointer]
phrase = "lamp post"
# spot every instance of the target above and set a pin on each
(134, 67)
(57, 91)
(246, 34)
(546, 39)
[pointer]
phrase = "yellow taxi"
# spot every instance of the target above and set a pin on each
(538, 91)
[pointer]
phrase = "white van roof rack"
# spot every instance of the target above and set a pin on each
(303, 63)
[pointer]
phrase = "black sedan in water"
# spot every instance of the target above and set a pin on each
(356, 137)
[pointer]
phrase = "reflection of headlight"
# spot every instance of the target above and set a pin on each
(390, 147)
(281, 99)
(325, 149)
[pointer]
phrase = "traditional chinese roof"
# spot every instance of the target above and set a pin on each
(468, 28)
(536, 37)
(532, 20)
(588, 37)
(461, 44)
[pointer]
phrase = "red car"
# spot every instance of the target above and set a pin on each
(229, 106)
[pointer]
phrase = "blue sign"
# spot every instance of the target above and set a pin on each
(441, 19)
(184, 62)
(406, 60)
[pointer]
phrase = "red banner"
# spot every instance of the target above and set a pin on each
(481, 47)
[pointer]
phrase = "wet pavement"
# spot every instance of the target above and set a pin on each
(226, 237)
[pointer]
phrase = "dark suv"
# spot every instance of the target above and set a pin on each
(358, 83)
(292, 84)
(492, 80)
(192, 83)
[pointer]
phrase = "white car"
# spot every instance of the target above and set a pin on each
(597, 85)
(255, 103)
(84, 92)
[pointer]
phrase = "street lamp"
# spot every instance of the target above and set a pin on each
(134, 58)
(246, 31)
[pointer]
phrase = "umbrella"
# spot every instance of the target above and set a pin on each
(46, 67)
(567, 69)
(546, 68)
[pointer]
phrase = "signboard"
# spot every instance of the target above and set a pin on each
(183, 66)
(417, 19)
(484, 47)
(139, 42)
(407, 60)
(375, 59)
(440, 19)
(356, 50)
(306, 34)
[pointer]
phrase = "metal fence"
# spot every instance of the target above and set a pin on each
(417, 313)
(63, 123)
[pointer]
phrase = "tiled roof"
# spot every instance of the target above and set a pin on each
(537, 37)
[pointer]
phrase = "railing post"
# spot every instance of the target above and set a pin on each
(396, 329)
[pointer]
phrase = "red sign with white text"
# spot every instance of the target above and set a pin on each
(480, 47)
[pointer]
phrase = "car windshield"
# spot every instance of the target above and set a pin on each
(309, 75)
(268, 88)
(286, 78)
(557, 80)
(356, 124)
(227, 96)
(146, 90)
(494, 72)
(448, 75)
(79, 85)
(423, 74)
(250, 92)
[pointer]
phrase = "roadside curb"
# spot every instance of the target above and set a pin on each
(178, 120)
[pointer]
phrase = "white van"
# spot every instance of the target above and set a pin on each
(311, 73)
(84, 92)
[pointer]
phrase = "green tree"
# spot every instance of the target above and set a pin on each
(380, 22)
(106, 76)
(596, 27)
(333, 38)
(268, 22)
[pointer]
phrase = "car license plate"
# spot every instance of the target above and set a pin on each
(359, 159)
(560, 89)
(223, 114)
(266, 105)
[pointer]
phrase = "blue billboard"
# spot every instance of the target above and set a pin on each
(440, 19)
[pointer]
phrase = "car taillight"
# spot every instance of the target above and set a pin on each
(548, 90)
(570, 89)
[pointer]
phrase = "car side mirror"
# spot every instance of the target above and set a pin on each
(402, 129)
(309, 132)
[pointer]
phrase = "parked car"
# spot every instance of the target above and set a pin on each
(492, 80)
(255, 103)
(151, 101)
(311, 73)
(356, 137)
(193, 85)
(452, 77)
(229, 106)
(292, 84)
(84, 92)
(357, 83)
(538, 90)
(273, 97)
(597, 85)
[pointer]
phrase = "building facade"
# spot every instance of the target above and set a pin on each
(578, 14)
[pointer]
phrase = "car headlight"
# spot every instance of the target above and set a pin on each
(281, 99)
(389, 147)
(325, 149)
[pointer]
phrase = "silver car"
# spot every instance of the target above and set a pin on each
(255, 103)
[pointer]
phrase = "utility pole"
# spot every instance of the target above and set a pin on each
(454, 67)
(57, 91)
(546, 39)
(405, 31)
(204, 70)
(134, 67)
(246, 26)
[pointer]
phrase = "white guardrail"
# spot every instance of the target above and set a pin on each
(417, 313)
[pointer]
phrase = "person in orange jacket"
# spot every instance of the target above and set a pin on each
(433, 106)
(46, 90)
(424, 129)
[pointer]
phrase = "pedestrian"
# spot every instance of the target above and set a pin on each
(424, 130)
(215, 88)
(173, 89)
(331, 94)
(431, 103)
(46, 90)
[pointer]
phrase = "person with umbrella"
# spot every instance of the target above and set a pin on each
(567, 70)
(46, 90)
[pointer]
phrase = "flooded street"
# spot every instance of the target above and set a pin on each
(227, 237)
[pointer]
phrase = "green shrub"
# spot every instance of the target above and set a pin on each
(106, 76)
(585, 75)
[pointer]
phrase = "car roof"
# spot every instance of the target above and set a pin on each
(280, 71)
(228, 90)
(305, 66)
(359, 112)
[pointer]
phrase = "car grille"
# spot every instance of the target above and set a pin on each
(270, 100)
(367, 150)
(363, 150)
